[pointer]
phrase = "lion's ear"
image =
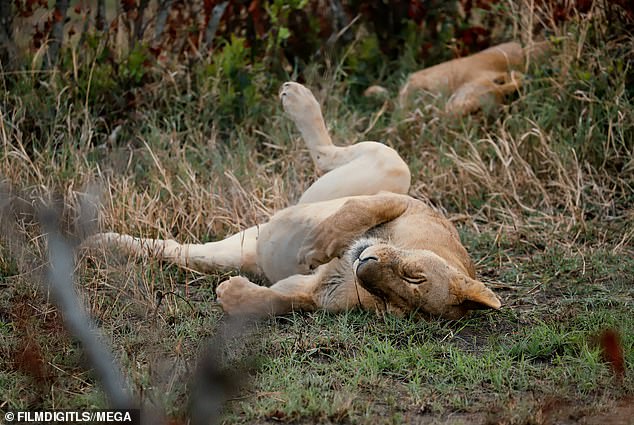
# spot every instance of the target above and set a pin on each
(474, 295)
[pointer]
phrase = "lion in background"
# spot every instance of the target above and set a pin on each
(354, 240)
(473, 82)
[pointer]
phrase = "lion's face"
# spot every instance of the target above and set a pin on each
(418, 280)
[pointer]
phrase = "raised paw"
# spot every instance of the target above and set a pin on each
(239, 296)
(299, 102)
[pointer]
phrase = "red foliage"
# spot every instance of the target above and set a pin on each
(473, 39)
(416, 11)
(128, 5)
(208, 7)
(276, 415)
(28, 359)
(57, 15)
(255, 10)
(38, 38)
(28, 356)
(185, 26)
(468, 5)
(26, 8)
(563, 10)
(612, 351)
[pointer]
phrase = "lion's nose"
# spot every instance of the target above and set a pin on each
(368, 258)
(370, 252)
(364, 263)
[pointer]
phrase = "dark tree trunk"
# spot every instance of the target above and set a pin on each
(161, 18)
(214, 21)
(100, 18)
(56, 37)
(7, 47)
(139, 28)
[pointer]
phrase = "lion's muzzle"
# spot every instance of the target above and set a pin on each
(373, 272)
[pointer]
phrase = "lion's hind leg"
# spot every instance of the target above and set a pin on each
(364, 168)
(235, 252)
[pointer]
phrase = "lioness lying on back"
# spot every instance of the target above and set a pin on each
(354, 240)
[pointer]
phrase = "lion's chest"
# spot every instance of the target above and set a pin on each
(282, 237)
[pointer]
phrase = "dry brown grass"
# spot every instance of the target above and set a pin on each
(553, 169)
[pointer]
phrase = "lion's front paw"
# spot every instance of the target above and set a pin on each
(308, 258)
(239, 296)
(319, 248)
(299, 102)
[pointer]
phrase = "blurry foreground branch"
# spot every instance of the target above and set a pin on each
(220, 370)
(60, 284)
(59, 281)
(216, 378)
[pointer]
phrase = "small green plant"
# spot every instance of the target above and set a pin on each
(278, 12)
(235, 79)
(135, 67)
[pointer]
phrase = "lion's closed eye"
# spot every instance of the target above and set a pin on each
(415, 280)
(501, 80)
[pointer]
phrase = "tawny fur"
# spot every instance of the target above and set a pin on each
(473, 82)
(355, 239)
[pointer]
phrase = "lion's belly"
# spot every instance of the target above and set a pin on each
(281, 239)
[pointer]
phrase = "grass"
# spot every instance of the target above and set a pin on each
(541, 191)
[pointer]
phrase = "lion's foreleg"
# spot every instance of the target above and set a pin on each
(239, 296)
(353, 219)
(331, 287)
